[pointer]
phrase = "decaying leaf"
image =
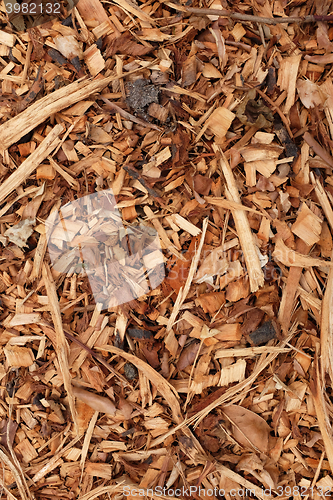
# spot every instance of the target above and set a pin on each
(166, 228)
(248, 428)
(96, 402)
(19, 233)
(310, 93)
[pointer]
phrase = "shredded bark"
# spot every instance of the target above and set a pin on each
(166, 283)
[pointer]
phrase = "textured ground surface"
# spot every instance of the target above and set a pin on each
(209, 138)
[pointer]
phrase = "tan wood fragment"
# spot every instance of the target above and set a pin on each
(219, 122)
(289, 257)
(26, 168)
(14, 129)
(19, 356)
(326, 323)
(289, 292)
(244, 232)
(61, 346)
(287, 78)
(182, 294)
(54, 461)
(307, 226)
(161, 232)
(322, 416)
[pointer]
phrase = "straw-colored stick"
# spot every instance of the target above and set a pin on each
(326, 323)
(37, 113)
(31, 163)
(61, 346)
(256, 276)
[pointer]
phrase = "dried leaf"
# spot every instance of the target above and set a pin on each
(248, 428)
(97, 403)
(310, 93)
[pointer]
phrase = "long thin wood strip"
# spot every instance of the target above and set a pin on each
(290, 290)
(87, 439)
(326, 323)
(17, 127)
(322, 416)
(28, 166)
(249, 17)
(161, 233)
(245, 483)
(54, 461)
(229, 204)
(244, 140)
(263, 362)
(244, 233)
(68, 178)
(182, 294)
(99, 358)
(323, 199)
(20, 486)
(61, 346)
(38, 257)
(41, 248)
(103, 490)
(326, 328)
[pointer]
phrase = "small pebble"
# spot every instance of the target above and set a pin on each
(263, 334)
(130, 371)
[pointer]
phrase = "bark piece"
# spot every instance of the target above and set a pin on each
(263, 334)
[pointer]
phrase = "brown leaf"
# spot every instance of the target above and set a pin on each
(98, 403)
(7, 430)
(179, 272)
(180, 142)
(188, 356)
(202, 184)
(189, 71)
(125, 44)
(210, 443)
(151, 356)
(248, 428)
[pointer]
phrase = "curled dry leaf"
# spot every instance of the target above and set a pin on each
(162, 385)
(188, 356)
(7, 432)
(291, 258)
(323, 38)
(310, 93)
(68, 46)
(20, 233)
(248, 428)
(97, 403)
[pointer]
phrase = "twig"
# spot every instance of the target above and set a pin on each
(136, 175)
(97, 357)
(128, 116)
(248, 17)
